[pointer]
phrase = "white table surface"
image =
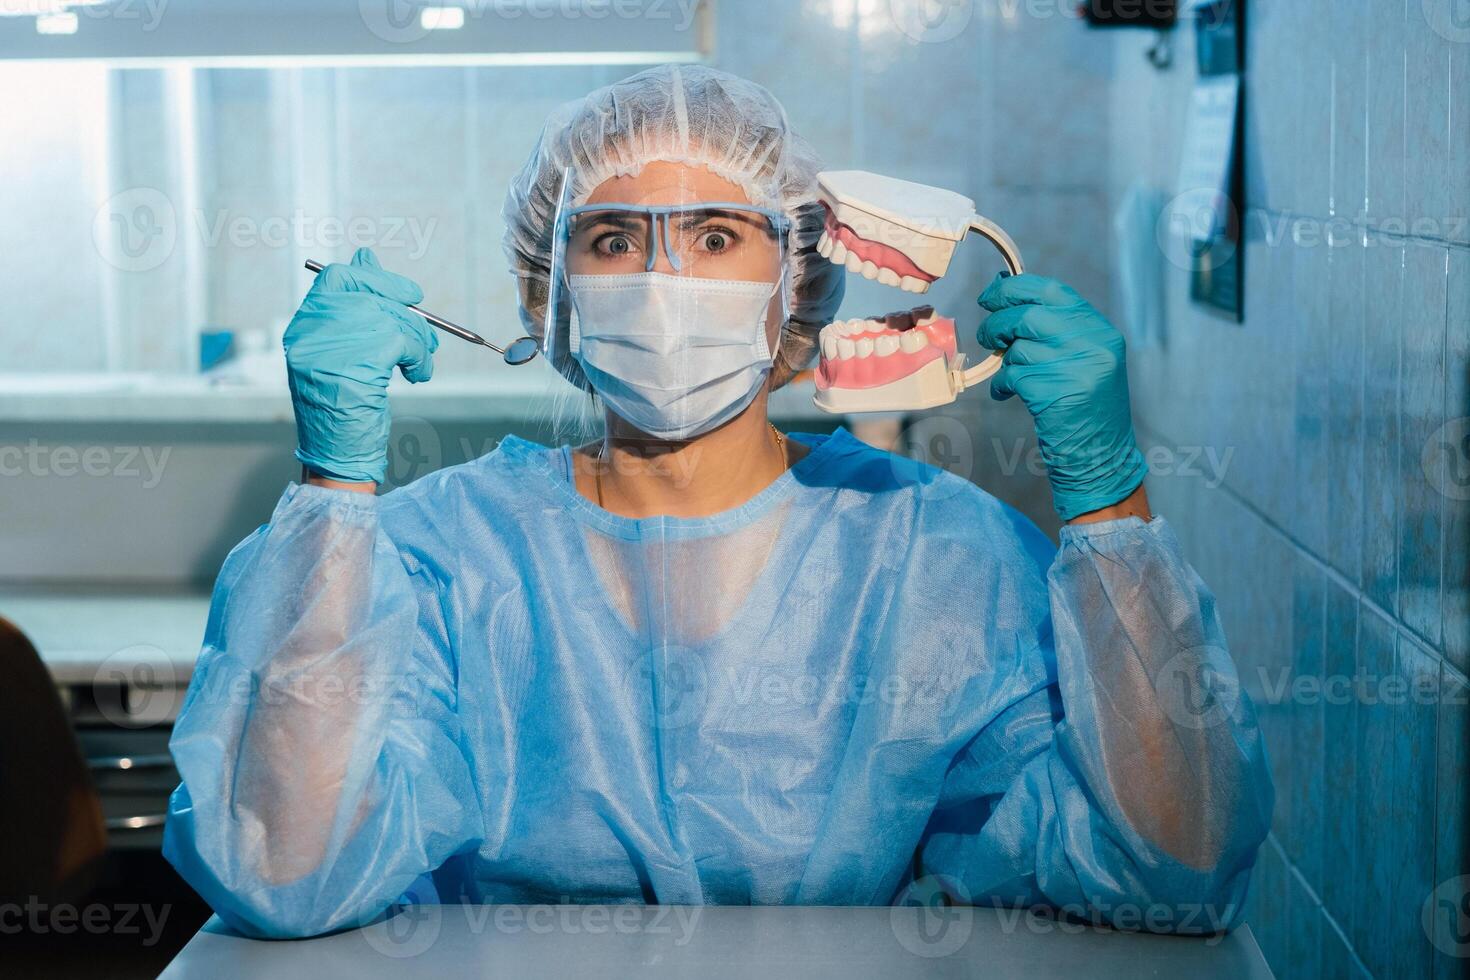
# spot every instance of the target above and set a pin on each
(83, 637)
(769, 943)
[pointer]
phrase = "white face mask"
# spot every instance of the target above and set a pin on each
(675, 356)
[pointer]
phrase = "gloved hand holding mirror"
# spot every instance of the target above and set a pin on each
(355, 326)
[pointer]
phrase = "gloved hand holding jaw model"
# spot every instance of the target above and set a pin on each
(1066, 363)
(698, 660)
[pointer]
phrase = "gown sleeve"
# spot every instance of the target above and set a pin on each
(319, 747)
(1126, 781)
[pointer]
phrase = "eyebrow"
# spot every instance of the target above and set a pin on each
(689, 219)
(610, 219)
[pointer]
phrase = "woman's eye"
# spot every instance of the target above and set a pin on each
(716, 241)
(617, 245)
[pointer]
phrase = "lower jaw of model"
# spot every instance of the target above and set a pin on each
(901, 361)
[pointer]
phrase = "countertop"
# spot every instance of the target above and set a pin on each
(720, 942)
(141, 637)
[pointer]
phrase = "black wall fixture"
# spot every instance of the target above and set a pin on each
(1217, 279)
(1155, 14)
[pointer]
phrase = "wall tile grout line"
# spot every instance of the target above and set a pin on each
(1326, 913)
(1342, 581)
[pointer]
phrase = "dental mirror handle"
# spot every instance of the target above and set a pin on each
(438, 321)
(996, 235)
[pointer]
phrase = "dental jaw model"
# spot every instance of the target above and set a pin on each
(900, 234)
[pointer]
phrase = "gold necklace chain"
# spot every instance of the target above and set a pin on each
(602, 449)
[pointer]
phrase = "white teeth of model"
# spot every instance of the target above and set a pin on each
(824, 245)
(888, 277)
(854, 263)
(864, 346)
(913, 284)
(870, 270)
(846, 328)
(926, 321)
(887, 344)
(829, 344)
(838, 253)
(913, 341)
(845, 348)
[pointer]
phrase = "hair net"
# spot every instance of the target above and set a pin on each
(683, 114)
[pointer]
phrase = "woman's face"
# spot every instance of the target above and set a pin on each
(715, 244)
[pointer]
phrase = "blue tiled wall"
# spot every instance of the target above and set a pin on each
(1338, 540)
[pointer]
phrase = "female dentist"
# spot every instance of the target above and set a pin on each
(700, 660)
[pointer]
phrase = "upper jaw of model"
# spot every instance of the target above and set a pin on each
(896, 232)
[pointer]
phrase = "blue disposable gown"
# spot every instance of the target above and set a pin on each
(483, 687)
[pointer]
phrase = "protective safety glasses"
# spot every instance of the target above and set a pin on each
(710, 240)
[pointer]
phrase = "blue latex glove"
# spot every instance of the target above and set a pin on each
(1066, 361)
(351, 331)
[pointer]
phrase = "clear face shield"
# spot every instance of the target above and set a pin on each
(667, 304)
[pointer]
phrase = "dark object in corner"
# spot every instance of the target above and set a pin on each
(51, 821)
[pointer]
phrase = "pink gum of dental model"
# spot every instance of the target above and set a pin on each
(876, 369)
(881, 255)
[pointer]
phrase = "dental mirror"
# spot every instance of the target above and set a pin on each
(522, 350)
